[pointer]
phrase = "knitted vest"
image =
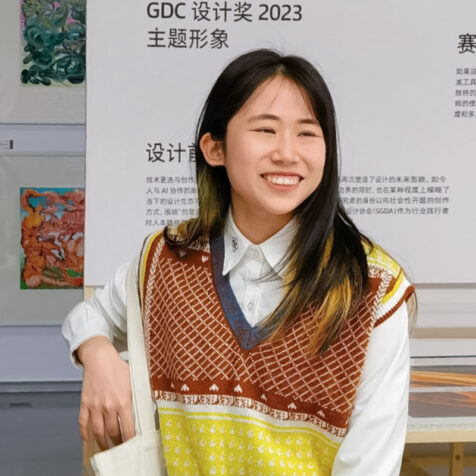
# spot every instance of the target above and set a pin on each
(231, 402)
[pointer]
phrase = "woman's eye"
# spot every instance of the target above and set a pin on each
(307, 134)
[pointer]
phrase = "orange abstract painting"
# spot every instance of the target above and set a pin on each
(52, 237)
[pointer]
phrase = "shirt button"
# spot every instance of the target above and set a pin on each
(254, 253)
(249, 306)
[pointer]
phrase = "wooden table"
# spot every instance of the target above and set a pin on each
(414, 465)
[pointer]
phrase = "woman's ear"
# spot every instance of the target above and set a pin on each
(212, 150)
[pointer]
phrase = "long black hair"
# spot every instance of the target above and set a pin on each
(326, 263)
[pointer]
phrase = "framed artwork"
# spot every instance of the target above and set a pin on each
(52, 237)
(43, 49)
(54, 42)
(41, 238)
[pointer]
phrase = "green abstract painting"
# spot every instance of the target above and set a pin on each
(54, 38)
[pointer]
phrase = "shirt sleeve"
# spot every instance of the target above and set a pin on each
(375, 440)
(102, 315)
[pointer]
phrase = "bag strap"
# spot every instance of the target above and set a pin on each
(142, 402)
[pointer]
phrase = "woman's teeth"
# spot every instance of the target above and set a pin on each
(282, 179)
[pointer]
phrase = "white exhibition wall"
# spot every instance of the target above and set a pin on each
(403, 77)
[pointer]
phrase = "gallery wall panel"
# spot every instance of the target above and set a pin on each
(403, 77)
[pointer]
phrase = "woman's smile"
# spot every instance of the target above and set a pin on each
(282, 179)
(274, 155)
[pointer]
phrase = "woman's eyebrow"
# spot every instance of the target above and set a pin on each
(309, 120)
(258, 117)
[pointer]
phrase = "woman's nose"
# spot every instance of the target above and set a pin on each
(285, 151)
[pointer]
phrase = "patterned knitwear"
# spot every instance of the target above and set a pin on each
(230, 401)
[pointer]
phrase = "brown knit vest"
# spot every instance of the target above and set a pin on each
(192, 350)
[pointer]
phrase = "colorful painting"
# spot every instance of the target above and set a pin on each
(54, 37)
(443, 391)
(52, 237)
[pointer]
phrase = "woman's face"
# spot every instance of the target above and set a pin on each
(274, 155)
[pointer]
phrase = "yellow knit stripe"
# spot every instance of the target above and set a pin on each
(378, 257)
(237, 418)
(145, 253)
(211, 443)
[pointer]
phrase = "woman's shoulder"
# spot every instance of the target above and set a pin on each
(177, 237)
(380, 260)
(393, 284)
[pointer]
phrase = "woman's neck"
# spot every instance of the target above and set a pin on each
(258, 229)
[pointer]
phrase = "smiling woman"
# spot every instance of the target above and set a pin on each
(268, 116)
(274, 158)
(269, 320)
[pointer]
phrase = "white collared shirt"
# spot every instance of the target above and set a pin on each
(247, 264)
(375, 440)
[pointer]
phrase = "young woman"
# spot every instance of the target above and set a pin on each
(276, 333)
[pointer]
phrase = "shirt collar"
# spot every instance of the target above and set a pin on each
(274, 248)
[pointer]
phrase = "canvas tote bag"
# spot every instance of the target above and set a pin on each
(142, 455)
